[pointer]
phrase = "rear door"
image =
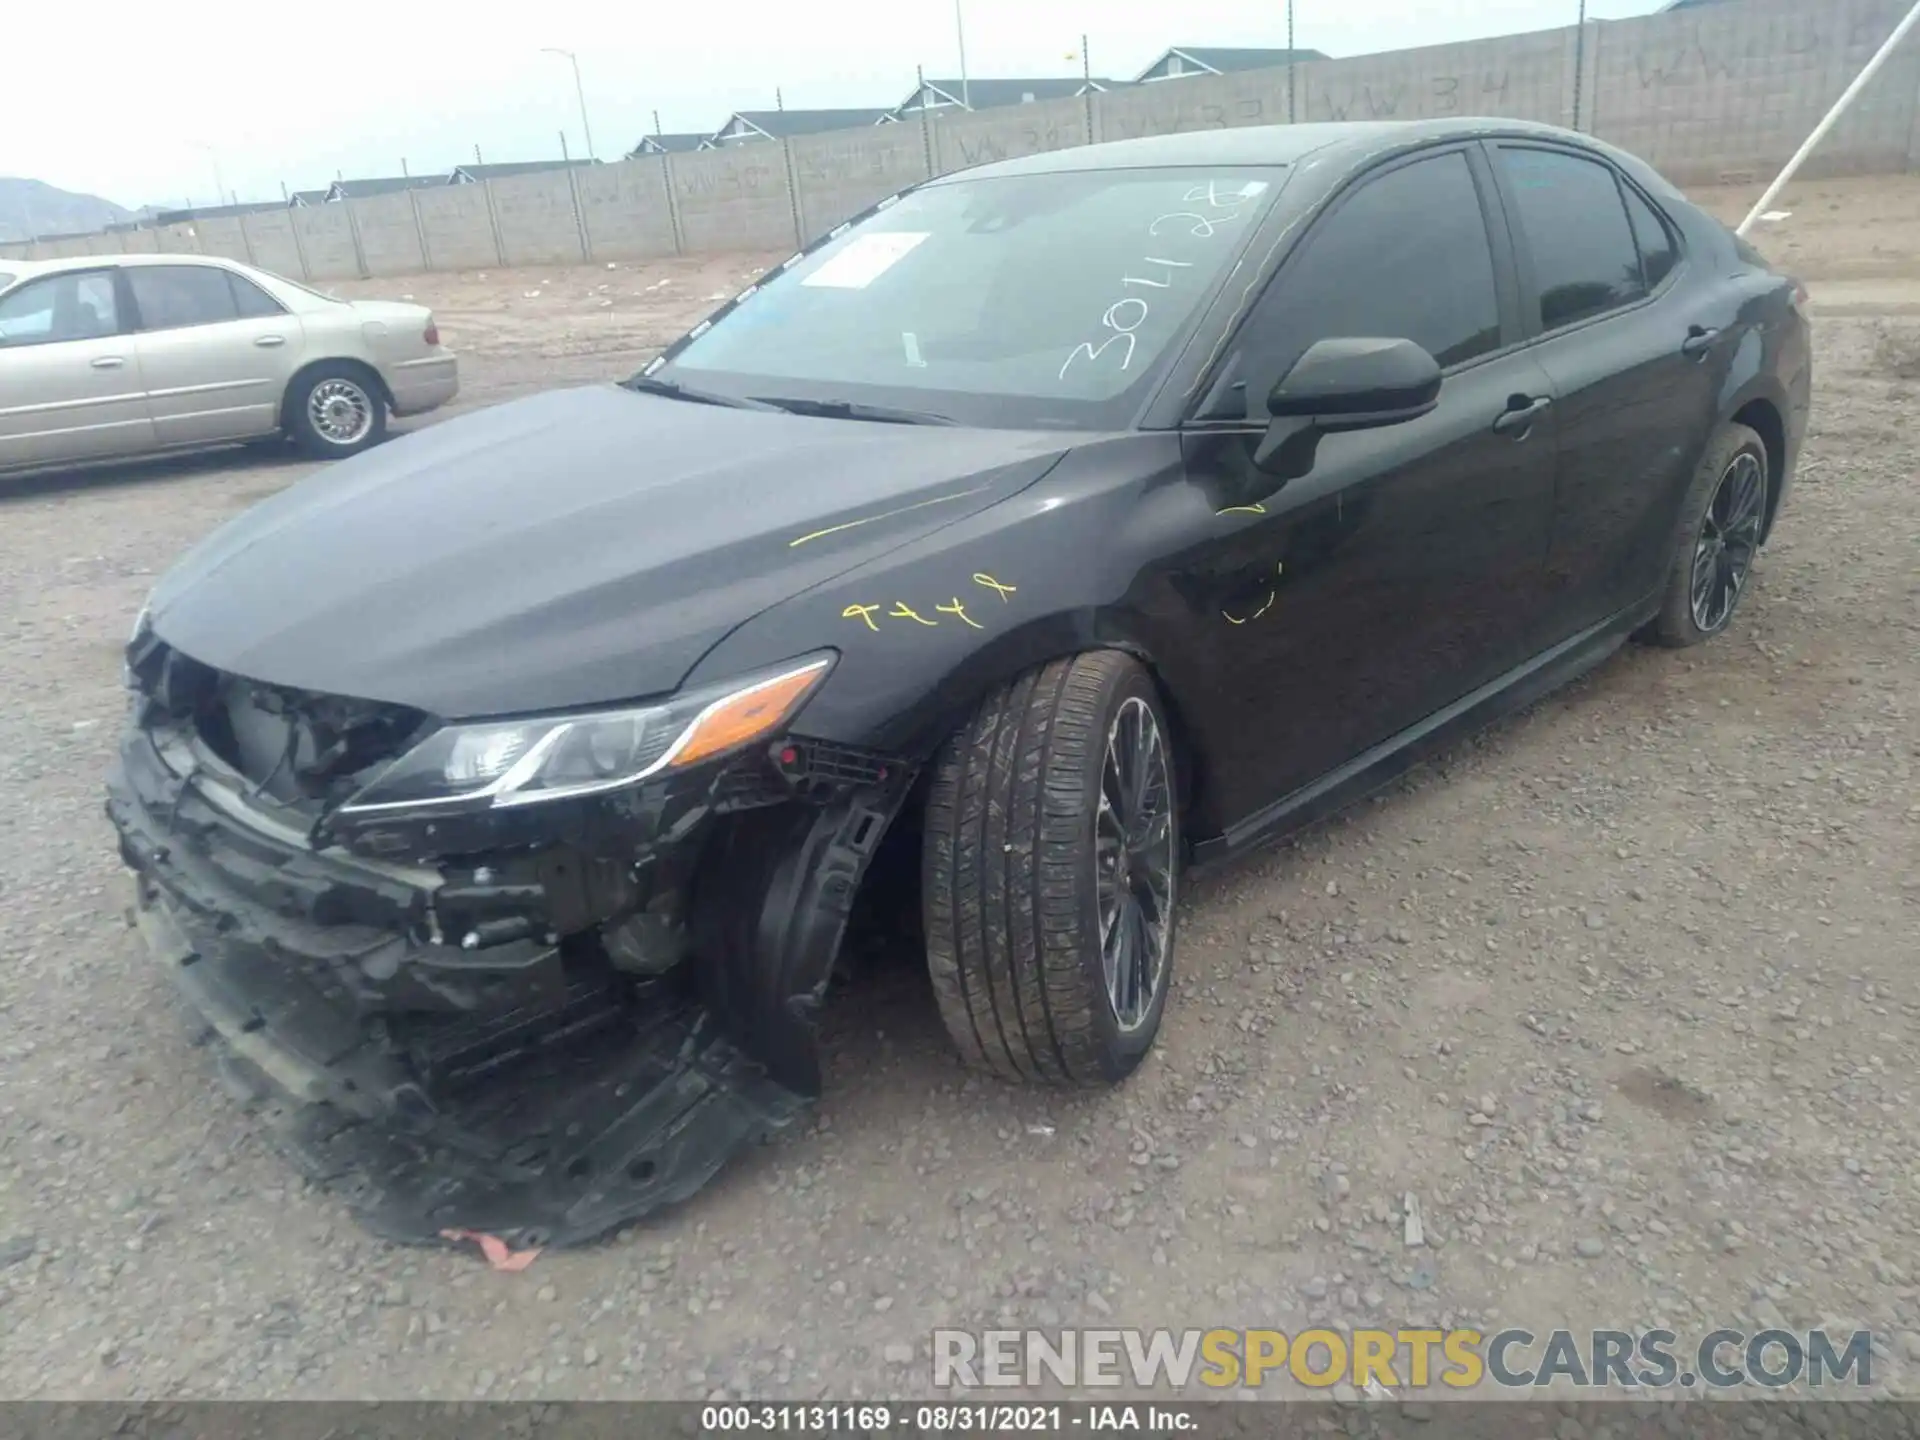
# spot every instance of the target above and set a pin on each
(70, 386)
(1635, 355)
(1401, 572)
(216, 350)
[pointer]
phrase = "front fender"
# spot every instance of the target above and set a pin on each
(925, 630)
(1080, 561)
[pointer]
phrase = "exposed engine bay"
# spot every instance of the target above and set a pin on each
(535, 1022)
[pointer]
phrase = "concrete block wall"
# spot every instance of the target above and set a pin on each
(838, 175)
(221, 235)
(327, 240)
(963, 140)
(1209, 102)
(456, 227)
(270, 241)
(1518, 77)
(739, 199)
(537, 221)
(626, 210)
(1728, 92)
(1711, 94)
(388, 234)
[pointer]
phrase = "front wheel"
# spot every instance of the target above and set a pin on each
(1050, 874)
(336, 410)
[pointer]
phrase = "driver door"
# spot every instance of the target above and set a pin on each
(1341, 608)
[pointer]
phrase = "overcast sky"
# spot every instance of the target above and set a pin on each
(285, 93)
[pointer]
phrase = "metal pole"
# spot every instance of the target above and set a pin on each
(960, 33)
(579, 90)
(1579, 61)
(1851, 93)
(1291, 108)
(219, 182)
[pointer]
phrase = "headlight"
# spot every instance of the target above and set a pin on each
(141, 624)
(496, 764)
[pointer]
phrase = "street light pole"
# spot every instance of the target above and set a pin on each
(1292, 61)
(579, 90)
(960, 34)
(1579, 61)
(219, 184)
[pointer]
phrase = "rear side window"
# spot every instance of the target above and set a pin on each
(1585, 261)
(80, 305)
(1405, 257)
(1658, 255)
(250, 300)
(174, 297)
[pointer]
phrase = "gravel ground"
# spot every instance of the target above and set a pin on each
(1624, 991)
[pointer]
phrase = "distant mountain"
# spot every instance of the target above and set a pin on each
(32, 207)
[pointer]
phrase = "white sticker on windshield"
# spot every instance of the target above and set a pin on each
(865, 259)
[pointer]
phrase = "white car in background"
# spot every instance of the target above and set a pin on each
(111, 357)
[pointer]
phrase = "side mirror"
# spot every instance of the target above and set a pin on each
(1345, 384)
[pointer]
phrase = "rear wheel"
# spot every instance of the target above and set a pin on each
(1721, 522)
(336, 410)
(1050, 874)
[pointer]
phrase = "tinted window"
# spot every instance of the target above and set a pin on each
(171, 297)
(1016, 299)
(1657, 253)
(250, 300)
(1406, 257)
(62, 307)
(1584, 258)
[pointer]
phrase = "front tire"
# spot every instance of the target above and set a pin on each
(1721, 522)
(336, 410)
(1050, 873)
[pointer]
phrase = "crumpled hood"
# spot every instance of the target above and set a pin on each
(573, 548)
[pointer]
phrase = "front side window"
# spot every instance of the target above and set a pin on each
(75, 306)
(1042, 299)
(1405, 257)
(174, 297)
(1585, 262)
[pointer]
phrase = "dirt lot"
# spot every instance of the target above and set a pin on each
(1625, 991)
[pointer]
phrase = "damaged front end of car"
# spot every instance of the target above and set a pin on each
(529, 977)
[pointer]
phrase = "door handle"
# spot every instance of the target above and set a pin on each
(1700, 339)
(108, 362)
(267, 341)
(1519, 416)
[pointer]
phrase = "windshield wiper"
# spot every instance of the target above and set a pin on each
(674, 390)
(853, 410)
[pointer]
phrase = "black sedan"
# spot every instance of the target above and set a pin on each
(501, 796)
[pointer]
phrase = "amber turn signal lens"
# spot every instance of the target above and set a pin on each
(748, 714)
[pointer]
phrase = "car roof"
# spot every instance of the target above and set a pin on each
(27, 269)
(1350, 142)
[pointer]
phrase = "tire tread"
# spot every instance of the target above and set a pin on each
(1007, 867)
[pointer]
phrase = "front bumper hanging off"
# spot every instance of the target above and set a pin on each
(523, 1089)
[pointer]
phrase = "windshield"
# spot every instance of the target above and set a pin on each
(1033, 300)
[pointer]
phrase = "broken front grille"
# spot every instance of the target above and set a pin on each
(297, 748)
